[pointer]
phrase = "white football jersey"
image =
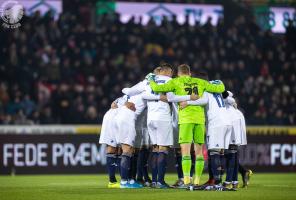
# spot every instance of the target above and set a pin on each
(243, 127)
(139, 102)
(121, 100)
(215, 109)
(158, 110)
(136, 89)
(231, 111)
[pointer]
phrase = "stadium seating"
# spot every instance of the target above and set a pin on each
(67, 72)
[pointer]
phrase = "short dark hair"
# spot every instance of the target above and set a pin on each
(184, 69)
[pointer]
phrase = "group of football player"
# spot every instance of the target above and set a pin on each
(162, 113)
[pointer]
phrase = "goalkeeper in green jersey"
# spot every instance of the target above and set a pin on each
(191, 118)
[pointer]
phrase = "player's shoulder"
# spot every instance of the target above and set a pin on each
(239, 112)
(162, 79)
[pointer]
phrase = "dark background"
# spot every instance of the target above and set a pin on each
(69, 70)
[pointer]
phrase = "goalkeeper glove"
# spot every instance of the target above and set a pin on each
(150, 77)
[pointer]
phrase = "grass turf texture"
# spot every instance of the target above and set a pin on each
(83, 187)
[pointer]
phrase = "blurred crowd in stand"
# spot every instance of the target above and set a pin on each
(64, 71)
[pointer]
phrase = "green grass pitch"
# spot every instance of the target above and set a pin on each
(84, 187)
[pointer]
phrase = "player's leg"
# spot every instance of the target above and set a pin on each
(211, 176)
(125, 164)
(164, 141)
(235, 171)
(134, 162)
(245, 173)
(185, 140)
(142, 167)
(127, 135)
(118, 158)
(137, 147)
(147, 179)
(154, 154)
(216, 144)
(223, 162)
(162, 165)
(154, 167)
(216, 164)
(198, 139)
(111, 166)
(107, 137)
(178, 163)
(199, 163)
(231, 154)
(178, 158)
(186, 162)
(238, 142)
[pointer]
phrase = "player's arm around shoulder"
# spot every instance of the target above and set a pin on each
(214, 87)
(199, 102)
(166, 87)
(136, 89)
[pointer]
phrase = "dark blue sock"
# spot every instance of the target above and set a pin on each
(125, 165)
(111, 165)
(211, 176)
(118, 161)
(140, 165)
(178, 164)
(161, 165)
(241, 169)
(145, 165)
(216, 166)
(192, 170)
(133, 168)
(154, 159)
(235, 171)
(230, 159)
(223, 164)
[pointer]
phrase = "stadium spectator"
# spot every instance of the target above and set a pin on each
(66, 72)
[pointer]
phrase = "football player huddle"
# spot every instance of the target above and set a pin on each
(162, 113)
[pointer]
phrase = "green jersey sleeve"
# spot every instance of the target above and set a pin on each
(167, 87)
(214, 88)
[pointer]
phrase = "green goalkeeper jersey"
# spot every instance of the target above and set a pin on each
(186, 85)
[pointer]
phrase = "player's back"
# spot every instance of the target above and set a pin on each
(159, 110)
(140, 104)
(232, 114)
(216, 110)
(186, 85)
